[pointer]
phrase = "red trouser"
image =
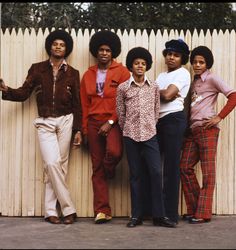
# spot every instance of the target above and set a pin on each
(201, 145)
(106, 152)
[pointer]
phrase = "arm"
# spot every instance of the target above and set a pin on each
(229, 106)
(125, 75)
(157, 103)
(169, 94)
(85, 106)
(120, 108)
(77, 111)
(22, 93)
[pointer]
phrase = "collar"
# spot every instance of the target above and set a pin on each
(63, 66)
(204, 75)
(131, 80)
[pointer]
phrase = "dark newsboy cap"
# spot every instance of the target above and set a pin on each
(178, 46)
(62, 35)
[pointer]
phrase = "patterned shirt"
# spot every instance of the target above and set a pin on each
(138, 109)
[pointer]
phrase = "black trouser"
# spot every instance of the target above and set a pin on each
(170, 132)
(150, 151)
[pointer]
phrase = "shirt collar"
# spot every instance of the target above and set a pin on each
(131, 80)
(204, 75)
(64, 64)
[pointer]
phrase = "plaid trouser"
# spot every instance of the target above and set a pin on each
(201, 145)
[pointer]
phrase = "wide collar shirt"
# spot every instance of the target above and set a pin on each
(138, 109)
(204, 93)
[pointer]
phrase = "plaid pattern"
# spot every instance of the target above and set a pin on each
(200, 145)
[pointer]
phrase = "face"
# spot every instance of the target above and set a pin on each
(104, 55)
(173, 60)
(58, 48)
(139, 67)
(199, 65)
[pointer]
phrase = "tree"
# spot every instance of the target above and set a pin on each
(121, 15)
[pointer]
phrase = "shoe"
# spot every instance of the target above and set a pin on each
(102, 218)
(194, 220)
(69, 219)
(164, 222)
(53, 220)
(134, 222)
(187, 216)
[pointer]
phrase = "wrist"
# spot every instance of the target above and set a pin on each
(111, 122)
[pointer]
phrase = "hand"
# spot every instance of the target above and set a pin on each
(3, 87)
(212, 121)
(104, 129)
(77, 139)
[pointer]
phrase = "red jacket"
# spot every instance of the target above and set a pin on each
(93, 105)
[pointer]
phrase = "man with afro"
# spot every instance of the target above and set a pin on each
(56, 86)
(201, 142)
(138, 102)
(99, 120)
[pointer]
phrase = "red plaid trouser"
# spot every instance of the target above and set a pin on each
(200, 145)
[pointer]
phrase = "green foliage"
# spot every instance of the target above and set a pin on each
(120, 15)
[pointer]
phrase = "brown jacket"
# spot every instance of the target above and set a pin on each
(58, 100)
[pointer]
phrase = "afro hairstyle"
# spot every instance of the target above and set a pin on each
(205, 52)
(178, 46)
(138, 52)
(62, 35)
(105, 37)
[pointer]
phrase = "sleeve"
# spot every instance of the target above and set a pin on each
(22, 93)
(157, 102)
(125, 75)
(77, 110)
(230, 105)
(120, 107)
(85, 106)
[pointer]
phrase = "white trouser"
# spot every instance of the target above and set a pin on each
(54, 139)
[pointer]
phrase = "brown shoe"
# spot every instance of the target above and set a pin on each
(69, 219)
(53, 220)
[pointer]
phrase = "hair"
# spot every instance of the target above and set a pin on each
(62, 35)
(138, 52)
(105, 37)
(178, 46)
(205, 52)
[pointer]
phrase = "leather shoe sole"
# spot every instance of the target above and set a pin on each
(53, 220)
(69, 219)
(194, 220)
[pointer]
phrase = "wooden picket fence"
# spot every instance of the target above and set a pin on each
(21, 178)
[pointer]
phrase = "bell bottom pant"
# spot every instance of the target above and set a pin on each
(150, 151)
(54, 139)
(170, 133)
(106, 152)
(200, 145)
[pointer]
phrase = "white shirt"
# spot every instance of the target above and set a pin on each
(181, 79)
